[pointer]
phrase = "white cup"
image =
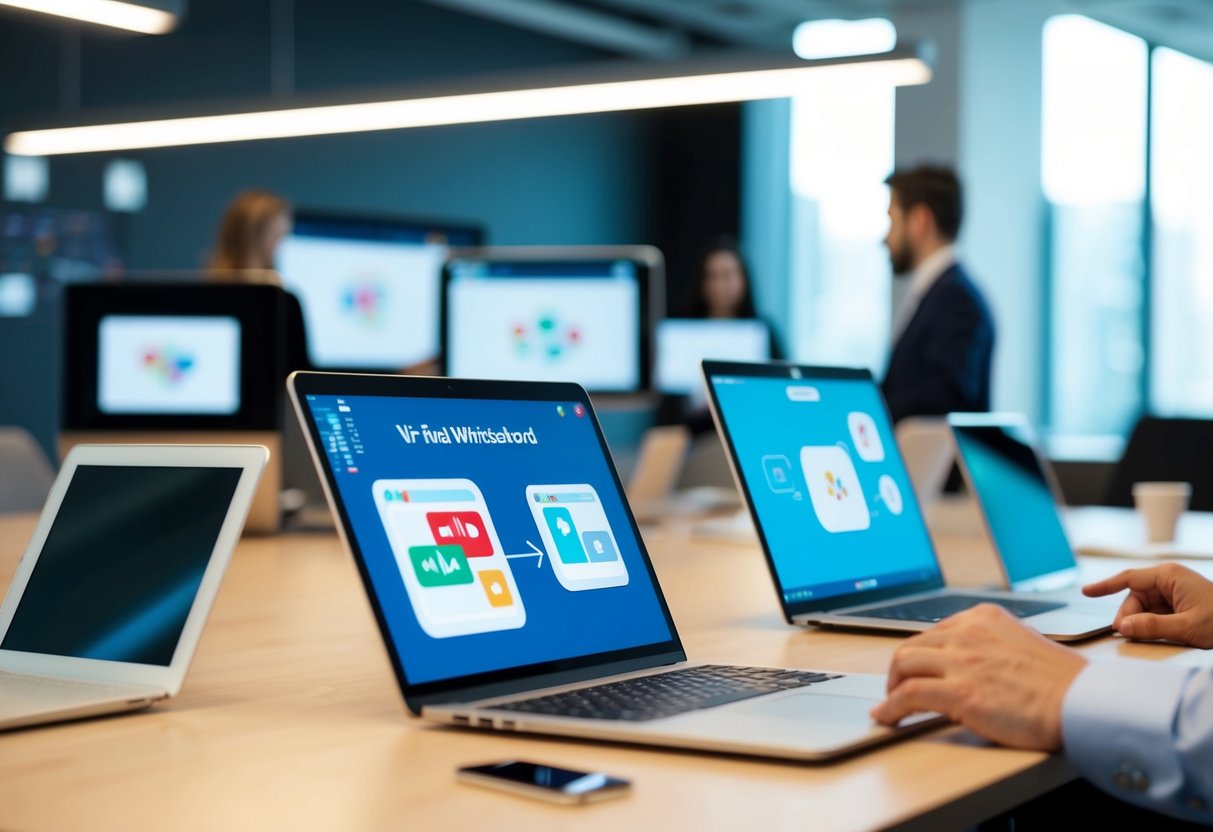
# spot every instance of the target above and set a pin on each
(1160, 505)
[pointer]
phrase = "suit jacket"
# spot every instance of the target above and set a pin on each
(941, 362)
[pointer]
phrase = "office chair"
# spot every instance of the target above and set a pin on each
(1166, 450)
(25, 473)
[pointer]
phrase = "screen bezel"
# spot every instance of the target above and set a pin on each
(961, 422)
(260, 310)
(795, 372)
(497, 682)
(650, 278)
(250, 458)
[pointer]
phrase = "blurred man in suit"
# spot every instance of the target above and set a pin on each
(943, 334)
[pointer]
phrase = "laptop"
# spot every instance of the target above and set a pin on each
(511, 585)
(1018, 497)
(813, 452)
(108, 602)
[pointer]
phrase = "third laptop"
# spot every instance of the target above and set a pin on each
(813, 452)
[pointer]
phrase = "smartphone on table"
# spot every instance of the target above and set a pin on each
(558, 785)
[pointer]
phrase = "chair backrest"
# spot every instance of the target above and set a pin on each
(25, 473)
(1165, 450)
(928, 451)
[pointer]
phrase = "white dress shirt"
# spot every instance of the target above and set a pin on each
(1143, 731)
(921, 281)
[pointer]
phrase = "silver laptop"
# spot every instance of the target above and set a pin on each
(512, 588)
(109, 600)
(1020, 502)
(813, 452)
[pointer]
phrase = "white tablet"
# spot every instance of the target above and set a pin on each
(126, 560)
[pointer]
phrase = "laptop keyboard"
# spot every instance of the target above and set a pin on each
(937, 609)
(668, 694)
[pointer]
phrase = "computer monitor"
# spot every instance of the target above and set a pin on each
(682, 343)
(369, 286)
(177, 363)
(552, 314)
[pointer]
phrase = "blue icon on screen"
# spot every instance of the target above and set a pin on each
(564, 533)
(599, 547)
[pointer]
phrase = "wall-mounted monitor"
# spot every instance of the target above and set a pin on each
(552, 314)
(369, 286)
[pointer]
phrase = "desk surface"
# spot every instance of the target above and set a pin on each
(291, 719)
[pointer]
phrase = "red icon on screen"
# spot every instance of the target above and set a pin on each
(578, 410)
(461, 528)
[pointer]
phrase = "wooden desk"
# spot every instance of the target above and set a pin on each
(291, 719)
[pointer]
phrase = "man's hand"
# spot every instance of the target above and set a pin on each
(1165, 602)
(988, 671)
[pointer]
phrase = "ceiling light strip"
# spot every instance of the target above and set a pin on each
(470, 108)
(129, 16)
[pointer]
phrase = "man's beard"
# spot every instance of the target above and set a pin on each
(899, 259)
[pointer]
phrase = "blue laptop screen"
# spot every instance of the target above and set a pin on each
(827, 483)
(492, 531)
(1006, 475)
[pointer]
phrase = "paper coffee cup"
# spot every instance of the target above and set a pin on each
(1161, 504)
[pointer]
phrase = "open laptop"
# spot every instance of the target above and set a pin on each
(511, 585)
(1018, 497)
(108, 602)
(813, 452)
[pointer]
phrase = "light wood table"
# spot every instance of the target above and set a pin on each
(291, 719)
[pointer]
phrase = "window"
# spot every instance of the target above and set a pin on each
(841, 152)
(1181, 168)
(1094, 179)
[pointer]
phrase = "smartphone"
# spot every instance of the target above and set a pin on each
(559, 785)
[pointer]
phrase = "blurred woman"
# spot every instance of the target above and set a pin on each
(249, 233)
(724, 289)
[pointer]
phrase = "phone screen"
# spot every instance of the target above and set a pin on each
(550, 778)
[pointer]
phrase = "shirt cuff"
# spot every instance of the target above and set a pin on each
(1118, 728)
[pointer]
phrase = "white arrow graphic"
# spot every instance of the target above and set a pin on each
(535, 552)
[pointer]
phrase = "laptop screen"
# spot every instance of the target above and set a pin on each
(682, 343)
(491, 531)
(122, 564)
(831, 497)
(1006, 474)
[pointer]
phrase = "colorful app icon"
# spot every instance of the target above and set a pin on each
(433, 527)
(891, 494)
(496, 588)
(599, 547)
(834, 489)
(440, 565)
(865, 437)
(464, 528)
(778, 470)
(564, 534)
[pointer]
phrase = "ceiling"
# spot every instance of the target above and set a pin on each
(668, 29)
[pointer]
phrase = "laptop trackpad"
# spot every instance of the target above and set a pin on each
(820, 707)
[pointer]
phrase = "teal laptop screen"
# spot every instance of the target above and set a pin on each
(827, 484)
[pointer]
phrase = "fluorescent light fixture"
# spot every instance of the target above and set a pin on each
(130, 16)
(815, 39)
(711, 82)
